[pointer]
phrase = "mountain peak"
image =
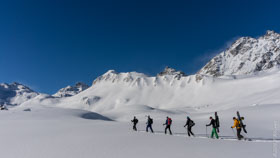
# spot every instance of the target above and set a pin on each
(15, 93)
(270, 32)
(110, 72)
(113, 76)
(71, 90)
(82, 85)
(246, 55)
(170, 71)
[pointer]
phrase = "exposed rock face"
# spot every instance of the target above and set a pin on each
(71, 90)
(246, 56)
(15, 93)
(172, 72)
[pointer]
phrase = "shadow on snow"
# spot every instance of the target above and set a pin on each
(95, 116)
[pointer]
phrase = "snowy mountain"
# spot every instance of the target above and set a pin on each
(113, 76)
(172, 72)
(168, 76)
(246, 56)
(71, 90)
(123, 94)
(45, 120)
(119, 95)
(15, 93)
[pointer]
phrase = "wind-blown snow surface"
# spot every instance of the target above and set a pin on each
(57, 127)
(47, 126)
(119, 95)
(47, 132)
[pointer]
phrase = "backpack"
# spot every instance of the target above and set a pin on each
(151, 121)
(192, 123)
(136, 120)
(169, 121)
(239, 124)
(214, 123)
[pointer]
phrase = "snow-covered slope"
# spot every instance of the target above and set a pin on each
(46, 132)
(15, 93)
(71, 90)
(246, 56)
(123, 94)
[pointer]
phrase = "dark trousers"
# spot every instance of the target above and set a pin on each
(239, 136)
(190, 131)
(134, 127)
(149, 126)
(168, 127)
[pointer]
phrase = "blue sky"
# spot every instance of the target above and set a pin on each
(51, 44)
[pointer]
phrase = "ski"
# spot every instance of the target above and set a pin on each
(241, 123)
(217, 121)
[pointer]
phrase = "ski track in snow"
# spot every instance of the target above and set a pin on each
(226, 138)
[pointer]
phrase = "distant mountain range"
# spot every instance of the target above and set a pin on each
(246, 56)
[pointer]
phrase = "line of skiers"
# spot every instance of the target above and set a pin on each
(215, 123)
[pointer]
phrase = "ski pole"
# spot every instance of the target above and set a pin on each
(234, 132)
(185, 127)
(206, 132)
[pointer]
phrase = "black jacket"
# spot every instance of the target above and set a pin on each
(135, 120)
(213, 123)
(149, 121)
(189, 123)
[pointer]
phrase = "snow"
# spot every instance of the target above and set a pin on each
(71, 90)
(15, 94)
(82, 121)
(246, 55)
(117, 96)
(54, 132)
(96, 122)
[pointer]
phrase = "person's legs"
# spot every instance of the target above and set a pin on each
(239, 136)
(216, 134)
(190, 130)
(151, 129)
(212, 133)
(169, 127)
(165, 129)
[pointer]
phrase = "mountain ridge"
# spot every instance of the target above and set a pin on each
(246, 55)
